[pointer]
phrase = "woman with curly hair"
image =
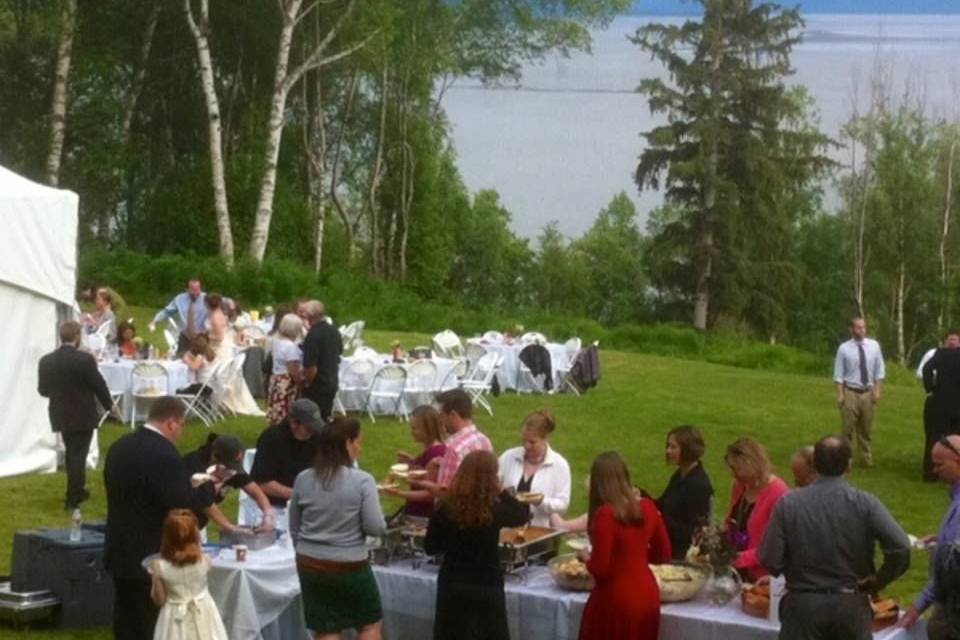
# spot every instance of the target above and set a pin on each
(465, 528)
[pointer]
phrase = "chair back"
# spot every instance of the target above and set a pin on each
(447, 344)
(104, 329)
(475, 351)
(391, 372)
(493, 336)
(572, 347)
(421, 375)
(484, 369)
(359, 374)
(533, 337)
(352, 335)
(96, 343)
(149, 379)
(366, 353)
(171, 339)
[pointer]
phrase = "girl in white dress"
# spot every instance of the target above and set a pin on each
(179, 587)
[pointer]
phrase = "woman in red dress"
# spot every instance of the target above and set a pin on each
(626, 535)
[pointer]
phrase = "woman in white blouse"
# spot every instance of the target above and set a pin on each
(287, 370)
(535, 468)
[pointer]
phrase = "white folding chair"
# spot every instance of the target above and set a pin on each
(454, 376)
(533, 337)
(367, 353)
(493, 336)
(116, 398)
(388, 384)
(96, 343)
(479, 382)
(354, 386)
(475, 351)
(149, 381)
(447, 344)
(171, 339)
(199, 403)
(421, 386)
(352, 335)
(231, 371)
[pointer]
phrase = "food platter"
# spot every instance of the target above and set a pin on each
(529, 498)
(679, 582)
(569, 572)
(522, 545)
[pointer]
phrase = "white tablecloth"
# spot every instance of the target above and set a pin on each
(259, 599)
(548, 613)
(119, 377)
(356, 400)
(510, 366)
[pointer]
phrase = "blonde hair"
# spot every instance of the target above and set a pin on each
(541, 422)
(750, 456)
(428, 420)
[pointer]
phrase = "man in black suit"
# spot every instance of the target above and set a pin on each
(941, 379)
(145, 478)
(70, 378)
(321, 359)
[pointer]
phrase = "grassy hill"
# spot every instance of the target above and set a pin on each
(638, 400)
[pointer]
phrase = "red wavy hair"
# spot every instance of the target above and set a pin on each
(181, 538)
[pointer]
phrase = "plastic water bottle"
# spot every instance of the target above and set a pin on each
(76, 526)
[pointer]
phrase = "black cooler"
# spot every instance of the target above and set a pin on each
(73, 571)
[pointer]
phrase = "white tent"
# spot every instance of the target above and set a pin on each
(38, 271)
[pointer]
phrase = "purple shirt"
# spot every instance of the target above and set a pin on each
(949, 533)
(418, 508)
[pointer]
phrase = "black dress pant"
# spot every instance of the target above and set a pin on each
(77, 444)
(931, 435)
(134, 614)
(324, 400)
(816, 616)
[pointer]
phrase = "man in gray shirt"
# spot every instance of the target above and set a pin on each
(821, 538)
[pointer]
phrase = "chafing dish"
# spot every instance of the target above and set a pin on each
(254, 540)
(522, 546)
(26, 607)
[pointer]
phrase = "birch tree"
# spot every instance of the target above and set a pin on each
(199, 24)
(58, 111)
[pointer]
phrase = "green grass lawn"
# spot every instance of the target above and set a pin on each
(638, 400)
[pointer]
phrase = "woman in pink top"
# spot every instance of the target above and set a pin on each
(755, 493)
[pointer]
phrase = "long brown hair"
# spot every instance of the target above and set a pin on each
(429, 420)
(474, 490)
(610, 484)
(181, 538)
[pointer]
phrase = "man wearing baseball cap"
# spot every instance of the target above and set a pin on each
(283, 451)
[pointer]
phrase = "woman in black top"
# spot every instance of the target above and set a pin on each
(685, 503)
(466, 530)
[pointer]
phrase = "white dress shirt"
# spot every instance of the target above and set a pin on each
(846, 367)
(926, 357)
(552, 479)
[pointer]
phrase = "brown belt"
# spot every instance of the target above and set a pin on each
(329, 566)
(856, 390)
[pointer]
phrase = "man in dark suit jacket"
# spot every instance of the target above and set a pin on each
(145, 477)
(70, 378)
(322, 348)
(941, 377)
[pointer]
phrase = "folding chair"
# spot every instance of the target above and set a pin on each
(447, 344)
(475, 351)
(116, 398)
(453, 377)
(493, 336)
(526, 381)
(421, 386)
(231, 371)
(354, 386)
(352, 335)
(149, 382)
(388, 384)
(171, 339)
(198, 403)
(367, 353)
(96, 343)
(479, 382)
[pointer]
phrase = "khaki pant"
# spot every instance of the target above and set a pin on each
(857, 416)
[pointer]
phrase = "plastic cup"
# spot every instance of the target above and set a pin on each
(241, 552)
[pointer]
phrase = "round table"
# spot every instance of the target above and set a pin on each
(119, 377)
(509, 372)
(354, 396)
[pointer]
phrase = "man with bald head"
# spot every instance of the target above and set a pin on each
(822, 539)
(944, 622)
(321, 358)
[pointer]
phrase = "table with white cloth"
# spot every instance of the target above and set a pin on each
(259, 599)
(508, 374)
(537, 609)
(356, 399)
(119, 378)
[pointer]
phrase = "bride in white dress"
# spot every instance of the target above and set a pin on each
(236, 396)
(179, 586)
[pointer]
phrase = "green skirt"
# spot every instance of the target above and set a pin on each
(338, 600)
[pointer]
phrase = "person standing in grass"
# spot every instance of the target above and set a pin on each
(858, 372)
(426, 428)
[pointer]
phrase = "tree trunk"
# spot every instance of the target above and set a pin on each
(200, 30)
(944, 316)
(315, 144)
(901, 294)
(376, 175)
(139, 74)
(348, 224)
(283, 82)
(58, 112)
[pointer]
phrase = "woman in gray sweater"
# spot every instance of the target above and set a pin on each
(333, 508)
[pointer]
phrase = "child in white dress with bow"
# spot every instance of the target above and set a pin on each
(179, 587)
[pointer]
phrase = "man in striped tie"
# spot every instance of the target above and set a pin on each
(858, 372)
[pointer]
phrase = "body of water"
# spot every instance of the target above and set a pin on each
(561, 144)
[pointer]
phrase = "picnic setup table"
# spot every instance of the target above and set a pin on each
(260, 600)
(118, 375)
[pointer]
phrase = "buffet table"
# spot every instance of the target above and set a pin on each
(260, 600)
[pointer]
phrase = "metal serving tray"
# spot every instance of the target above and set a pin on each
(522, 546)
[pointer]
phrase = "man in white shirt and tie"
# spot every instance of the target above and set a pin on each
(189, 311)
(858, 373)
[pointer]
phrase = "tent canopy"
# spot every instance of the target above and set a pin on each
(38, 270)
